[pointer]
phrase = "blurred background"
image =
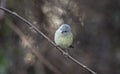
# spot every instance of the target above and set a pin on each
(95, 25)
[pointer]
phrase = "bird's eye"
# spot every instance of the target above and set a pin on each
(65, 31)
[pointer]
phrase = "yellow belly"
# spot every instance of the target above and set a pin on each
(64, 41)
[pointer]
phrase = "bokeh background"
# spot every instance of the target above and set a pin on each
(95, 25)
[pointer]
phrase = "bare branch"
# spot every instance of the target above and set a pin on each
(32, 48)
(37, 30)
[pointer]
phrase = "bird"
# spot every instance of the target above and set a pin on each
(64, 37)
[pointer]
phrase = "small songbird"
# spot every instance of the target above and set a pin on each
(63, 36)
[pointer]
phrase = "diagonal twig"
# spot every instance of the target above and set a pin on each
(31, 47)
(37, 30)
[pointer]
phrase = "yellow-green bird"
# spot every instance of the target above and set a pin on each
(63, 36)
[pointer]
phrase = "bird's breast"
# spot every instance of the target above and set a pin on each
(64, 40)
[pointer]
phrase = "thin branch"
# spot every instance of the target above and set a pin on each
(40, 57)
(37, 30)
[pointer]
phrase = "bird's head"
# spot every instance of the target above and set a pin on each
(64, 28)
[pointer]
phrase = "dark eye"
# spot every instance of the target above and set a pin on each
(65, 31)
